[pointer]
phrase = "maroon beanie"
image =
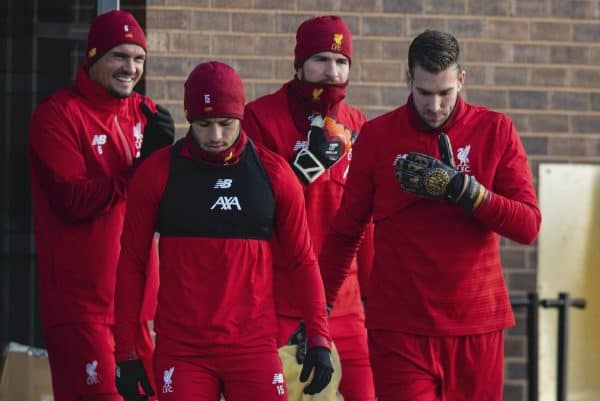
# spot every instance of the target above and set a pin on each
(322, 34)
(213, 89)
(112, 29)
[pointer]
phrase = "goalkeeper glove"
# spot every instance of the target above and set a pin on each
(428, 177)
(328, 142)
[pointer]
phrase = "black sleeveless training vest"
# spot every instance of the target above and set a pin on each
(202, 200)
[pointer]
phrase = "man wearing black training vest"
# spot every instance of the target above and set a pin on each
(218, 202)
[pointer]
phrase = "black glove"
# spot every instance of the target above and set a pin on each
(318, 358)
(298, 338)
(328, 142)
(428, 177)
(128, 375)
(159, 131)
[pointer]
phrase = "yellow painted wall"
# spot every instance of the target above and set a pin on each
(569, 261)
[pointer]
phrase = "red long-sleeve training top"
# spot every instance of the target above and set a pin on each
(83, 142)
(216, 291)
(437, 269)
(279, 123)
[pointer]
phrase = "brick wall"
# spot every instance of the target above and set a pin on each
(538, 61)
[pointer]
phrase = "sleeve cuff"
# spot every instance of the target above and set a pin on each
(319, 341)
(122, 356)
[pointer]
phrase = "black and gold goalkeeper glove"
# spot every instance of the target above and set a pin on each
(428, 177)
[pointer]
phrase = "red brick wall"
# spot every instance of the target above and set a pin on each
(538, 61)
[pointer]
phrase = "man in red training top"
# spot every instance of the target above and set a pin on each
(281, 121)
(85, 142)
(216, 200)
(442, 180)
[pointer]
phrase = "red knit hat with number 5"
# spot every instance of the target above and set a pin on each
(322, 34)
(112, 29)
(212, 90)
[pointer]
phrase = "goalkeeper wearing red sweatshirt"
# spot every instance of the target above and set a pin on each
(281, 122)
(442, 180)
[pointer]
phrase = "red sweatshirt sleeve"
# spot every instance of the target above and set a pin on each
(59, 166)
(344, 238)
(293, 239)
(364, 261)
(512, 210)
(254, 129)
(143, 201)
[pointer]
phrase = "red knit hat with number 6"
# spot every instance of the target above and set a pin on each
(212, 90)
(322, 34)
(112, 29)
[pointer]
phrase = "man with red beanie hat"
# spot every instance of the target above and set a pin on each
(307, 122)
(85, 142)
(219, 202)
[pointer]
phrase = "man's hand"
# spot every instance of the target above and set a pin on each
(159, 131)
(328, 142)
(128, 375)
(319, 359)
(428, 177)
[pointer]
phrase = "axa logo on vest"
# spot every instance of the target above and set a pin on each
(227, 203)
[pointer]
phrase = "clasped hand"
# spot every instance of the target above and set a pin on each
(431, 178)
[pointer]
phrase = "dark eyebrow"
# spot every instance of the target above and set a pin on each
(426, 92)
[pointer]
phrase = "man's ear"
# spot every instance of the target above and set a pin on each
(461, 79)
(408, 79)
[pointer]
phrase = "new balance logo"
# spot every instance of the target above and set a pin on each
(300, 145)
(398, 157)
(278, 381)
(98, 141)
(227, 203)
(223, 183)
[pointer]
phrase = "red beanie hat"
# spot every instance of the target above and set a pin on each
(213, 89)
(112, 29)
(322, 34)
